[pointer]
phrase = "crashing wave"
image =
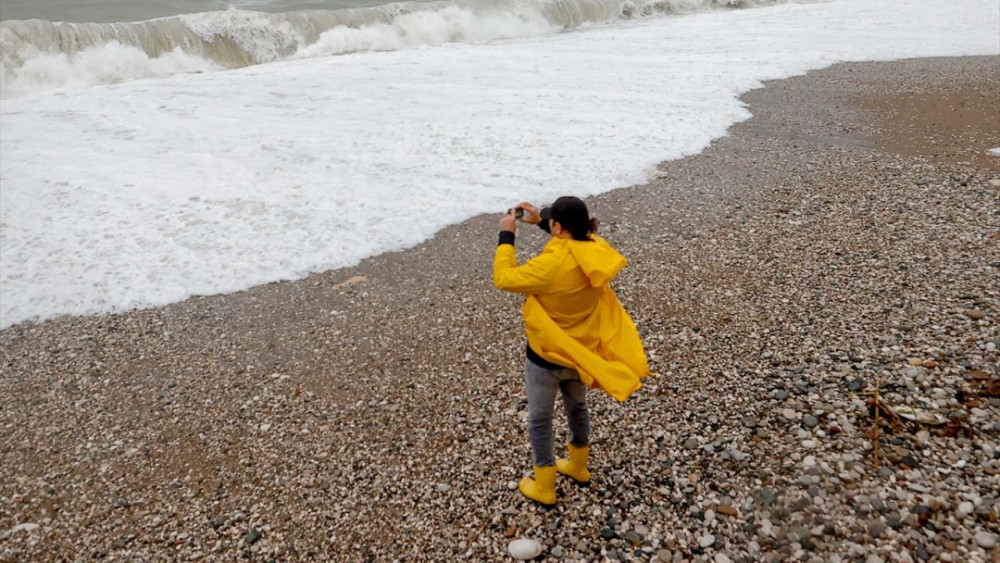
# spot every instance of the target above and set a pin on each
(38, 55)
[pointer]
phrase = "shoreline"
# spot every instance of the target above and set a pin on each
(814, 247)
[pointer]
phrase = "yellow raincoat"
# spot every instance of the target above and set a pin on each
(571, 317)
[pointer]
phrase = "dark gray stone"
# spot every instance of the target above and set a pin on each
(876, 528)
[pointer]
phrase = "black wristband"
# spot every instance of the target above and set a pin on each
(506, 237)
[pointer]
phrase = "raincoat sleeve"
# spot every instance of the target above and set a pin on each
(535, 276)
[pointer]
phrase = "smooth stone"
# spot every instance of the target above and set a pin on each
(524, 549)
(556, 551)
(727, 510)
(986, 540)
(798, 533)
(707, 541)
(876, 528)
(691, 443)
(252, 536)
(810, 421)
(665, 556)
(974, 314)
(721, 558)
(788, 413)
(964, 509)
(781, 394)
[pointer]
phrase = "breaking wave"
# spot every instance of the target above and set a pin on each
(38, 55)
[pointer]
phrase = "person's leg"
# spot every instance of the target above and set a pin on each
(574, 394)
(540, 385)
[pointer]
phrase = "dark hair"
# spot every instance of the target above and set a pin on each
(571, 213)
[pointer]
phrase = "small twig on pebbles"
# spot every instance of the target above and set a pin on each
(878, 384)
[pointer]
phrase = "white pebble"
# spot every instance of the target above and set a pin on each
(524, 549)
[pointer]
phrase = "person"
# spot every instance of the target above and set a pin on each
(578, 333)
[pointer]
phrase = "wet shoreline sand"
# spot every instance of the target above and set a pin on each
(849, 231)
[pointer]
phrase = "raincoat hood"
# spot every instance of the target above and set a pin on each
(599, 261)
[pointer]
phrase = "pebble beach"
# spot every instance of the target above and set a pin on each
(834, 258)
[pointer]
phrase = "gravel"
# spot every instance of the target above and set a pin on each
(777, 278)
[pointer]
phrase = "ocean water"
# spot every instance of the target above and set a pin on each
(201, 153)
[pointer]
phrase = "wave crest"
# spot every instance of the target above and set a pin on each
(38, 55)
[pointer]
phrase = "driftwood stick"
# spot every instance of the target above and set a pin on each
(878, 406)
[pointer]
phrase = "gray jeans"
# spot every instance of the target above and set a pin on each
(541, 385)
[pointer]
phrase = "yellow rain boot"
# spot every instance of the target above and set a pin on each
(576, 465)
(542, 488)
